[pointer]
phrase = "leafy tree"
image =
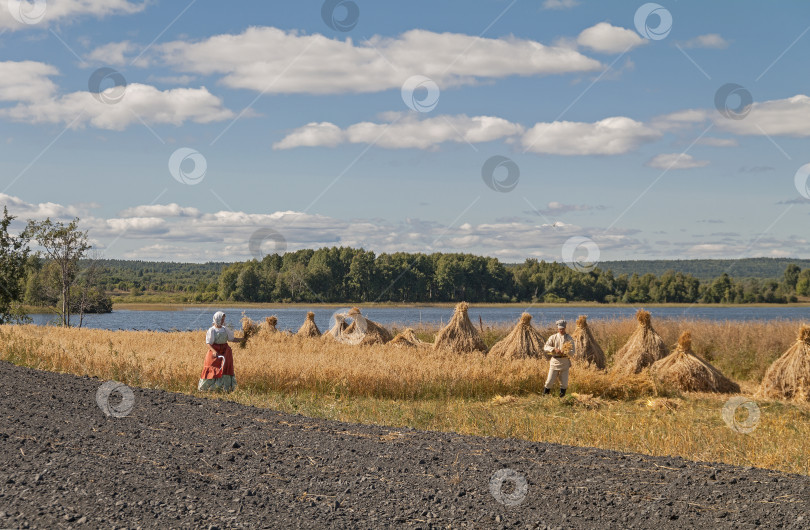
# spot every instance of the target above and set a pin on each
(13, 257)
(65, 245)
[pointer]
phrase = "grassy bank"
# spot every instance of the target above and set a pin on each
(469, 394)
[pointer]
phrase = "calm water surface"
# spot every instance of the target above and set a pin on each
(292, 318)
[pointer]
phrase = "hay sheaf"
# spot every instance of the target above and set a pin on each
(249, 329)
(643, 348)
(789, 376)
(685, 371)
(523, 341)
(270, 324)
(587, 349)
(364, 331)
(309, 328)
(408, 339)
(459, 335)
(338, 329)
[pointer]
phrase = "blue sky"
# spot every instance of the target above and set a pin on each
(304, 130)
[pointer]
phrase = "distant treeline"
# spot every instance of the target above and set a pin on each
(356, 275)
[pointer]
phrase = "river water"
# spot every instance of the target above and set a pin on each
(291, 318)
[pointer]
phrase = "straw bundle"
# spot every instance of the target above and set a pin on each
(338, 329)
(789, 376)
(309, 328)
(459, 335)
(587, 348)
(365, 331)
(642, 349)
(523, 341)
(683, 370)
(270, 324)
(407, 338)
(249, 329)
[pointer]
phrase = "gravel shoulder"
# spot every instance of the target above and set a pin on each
(179, 461)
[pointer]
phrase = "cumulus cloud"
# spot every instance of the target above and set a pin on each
(268, 59)
(59, 11)
(710, 40)
(28, 84)
(113, 54)
(717, 142)
(606, 38)
(560, 4)
(26, 80)
(404, 132)
(160, 210)
(675, 161)
(779, 117)
(610, 136)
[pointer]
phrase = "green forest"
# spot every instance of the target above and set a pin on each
(341, 274)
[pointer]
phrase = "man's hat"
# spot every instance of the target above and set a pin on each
(561, 323)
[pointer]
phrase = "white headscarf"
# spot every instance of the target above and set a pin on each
(219, 318)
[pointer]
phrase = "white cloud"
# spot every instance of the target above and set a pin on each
(312, 135)
(560, 4)
(606, 38)
(25, 210)
(26, 81)
(160, 210)
(610, 136)
(710, 40)
(112, 54)
(277, 61)
(140, 102)
(60, 11)
(717, 142)
(675, 161)
(779, 117)
(404, 132)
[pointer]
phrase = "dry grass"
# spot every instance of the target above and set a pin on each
(421, 388)
(407, 338)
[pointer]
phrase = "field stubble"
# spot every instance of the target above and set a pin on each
(471, 394)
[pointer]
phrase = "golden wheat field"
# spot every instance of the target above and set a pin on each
(472, 394)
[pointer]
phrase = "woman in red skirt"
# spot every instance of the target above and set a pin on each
(217, 373)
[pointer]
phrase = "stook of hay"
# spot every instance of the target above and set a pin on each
(789, 376)
(407, 338)
(364, 331)
(523, 341)
(459, 335)
(249, 329)
(270, 324)
(642, 349)
(587, 349)
(309, 328)
(338, 329)
(685, 371)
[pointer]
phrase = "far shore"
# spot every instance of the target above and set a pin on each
(146, 306)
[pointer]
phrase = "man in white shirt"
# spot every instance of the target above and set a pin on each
(560, 347)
